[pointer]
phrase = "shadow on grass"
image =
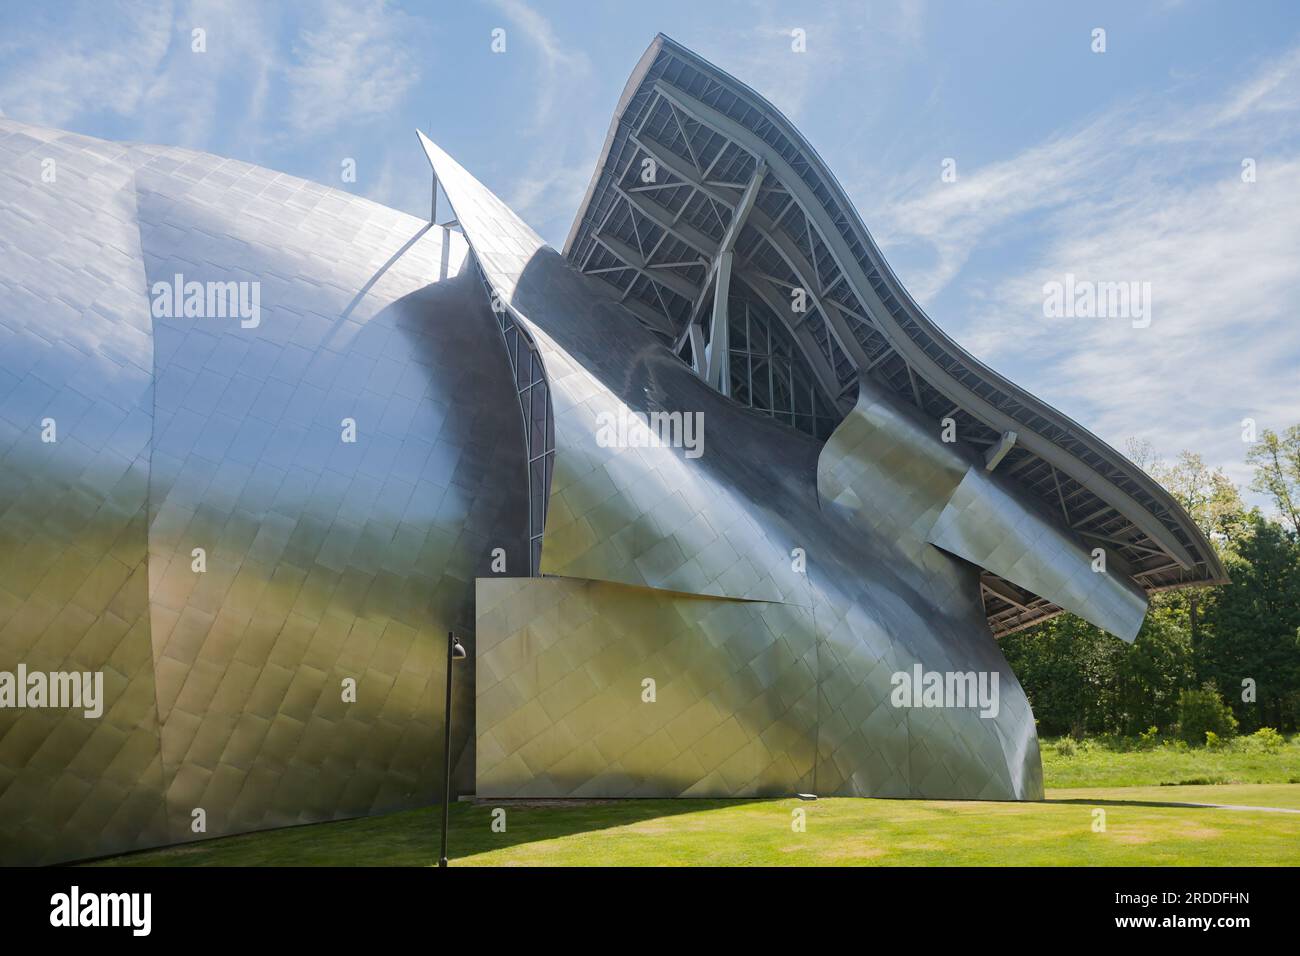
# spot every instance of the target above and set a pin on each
(1148, 803)
(533, 821)
(411, 837)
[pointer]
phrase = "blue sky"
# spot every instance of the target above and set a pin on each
(1115, 166)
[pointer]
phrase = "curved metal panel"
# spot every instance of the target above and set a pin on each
(885, 478)
(76, 413)
(895, 477)
(983, 523)
(326, 558)
(645, 516)
(728, 524)
(704, 135)
(564, 708)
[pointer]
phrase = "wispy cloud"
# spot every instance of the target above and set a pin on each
(135, 61)
(110, 68)
(190, 95)
(549, 189)
(763, 53)
(354, 61)
(1148, 194)
(560, 67)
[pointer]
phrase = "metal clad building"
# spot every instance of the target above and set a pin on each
(259, 526)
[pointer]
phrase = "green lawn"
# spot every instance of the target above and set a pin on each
(1141, 829)
(1139, 790)
(1099, 764)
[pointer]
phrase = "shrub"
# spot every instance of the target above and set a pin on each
(1148, 739)
(1201, 712)
(1265, 740)
(1065, 747)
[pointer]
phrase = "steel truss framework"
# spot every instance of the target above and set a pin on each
(702, 180)
(535, 409)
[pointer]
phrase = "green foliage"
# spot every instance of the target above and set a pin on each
(1207, 493)
(1151, 673)
(1277, 471)
(1250, 628)
(1203, 717)
(1081, 681)
(1068, 670)
(1065, 747)
(1265, 740)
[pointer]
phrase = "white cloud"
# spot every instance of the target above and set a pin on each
(109, 65)
(550, 188)
(1147, 194)
(355, 62)
(560, 68)
(189, 98)
(762, 55)
(134, 60)
(953, 219)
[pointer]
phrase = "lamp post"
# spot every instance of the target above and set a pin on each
(455, 652)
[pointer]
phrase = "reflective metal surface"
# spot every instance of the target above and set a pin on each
(75, 347)
(774, 583)
(562, 700)
(886, 466)
(705, 192)
(326, 560)
(985, 524)
(728, 524)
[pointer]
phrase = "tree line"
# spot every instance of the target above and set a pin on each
(1223, 659)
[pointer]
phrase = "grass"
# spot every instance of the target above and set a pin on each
(1142, 828)
(1118, 763)
(1138, 788)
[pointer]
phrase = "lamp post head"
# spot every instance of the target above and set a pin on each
(457, 649)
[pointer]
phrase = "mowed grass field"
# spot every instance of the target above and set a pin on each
(1147, 822)
(1099, 764)
(1142, 828)
(1143, 795)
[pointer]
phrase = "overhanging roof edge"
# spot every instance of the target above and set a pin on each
(629, 90)
(1214, 570)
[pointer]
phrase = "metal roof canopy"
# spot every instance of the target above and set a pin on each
(736, 189)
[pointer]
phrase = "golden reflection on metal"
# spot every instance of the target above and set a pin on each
(326, 560)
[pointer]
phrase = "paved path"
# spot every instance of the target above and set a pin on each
(1234, 806)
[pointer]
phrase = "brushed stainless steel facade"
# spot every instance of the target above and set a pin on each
(707, 202)
(886, 466)
(563, 708)
(259, 529)
(326, 560)
(800, 595)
